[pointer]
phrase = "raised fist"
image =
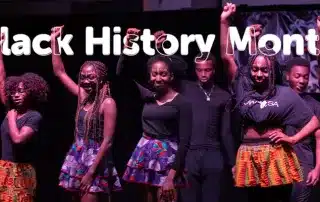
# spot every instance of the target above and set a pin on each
(2, 38)
(56, 32)
(160, 37)
(228, 10)
(131, 34)
(255, 30)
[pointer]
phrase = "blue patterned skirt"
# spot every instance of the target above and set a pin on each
(77, 163)
(151, 161)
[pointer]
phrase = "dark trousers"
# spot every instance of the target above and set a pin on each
(270, 194)
(204, 172)
(300, 191)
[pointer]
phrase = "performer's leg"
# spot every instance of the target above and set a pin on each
(212, 176)
(89, 197)
(300, 191)
(193, 191)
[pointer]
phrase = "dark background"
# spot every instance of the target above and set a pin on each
(59, 112)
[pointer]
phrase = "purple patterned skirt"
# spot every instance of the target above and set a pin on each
(77, 163)
(151, 161)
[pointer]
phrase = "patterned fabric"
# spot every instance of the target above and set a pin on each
(151, 161)
(77, 163)
(266, 165)
(17, 182)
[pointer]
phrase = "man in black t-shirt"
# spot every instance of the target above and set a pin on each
(298, 71)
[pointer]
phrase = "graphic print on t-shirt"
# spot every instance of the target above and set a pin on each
(263, 104)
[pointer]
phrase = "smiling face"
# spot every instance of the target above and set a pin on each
(298, 78)
(89, 79)
(160, 76)
(260, 71)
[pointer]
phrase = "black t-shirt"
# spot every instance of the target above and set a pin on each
(304, 149)
(24, 152)
(283, 109)
(211, 125)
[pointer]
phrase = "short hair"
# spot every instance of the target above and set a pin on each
(297, 61)
(205, 56)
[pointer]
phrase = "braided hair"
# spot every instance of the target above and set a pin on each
(247, 83)
(92, 118)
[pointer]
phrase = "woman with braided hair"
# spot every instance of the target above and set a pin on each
(23, 97)
(88, 168)
(266, 164)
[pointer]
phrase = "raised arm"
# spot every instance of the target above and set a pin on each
(255, 33)
(318, 42)
(124, 62)
(58, 66)
(225, 46)
(2, 73)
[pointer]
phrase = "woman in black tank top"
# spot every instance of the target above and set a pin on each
(88, 171)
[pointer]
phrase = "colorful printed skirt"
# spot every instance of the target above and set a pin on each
(266, 165)
(17, 182)
(77, 163)
(151, 161)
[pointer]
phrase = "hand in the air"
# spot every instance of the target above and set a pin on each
(131, 34)
(255, 30)
(228, 10)
(56, 32)
(160, 37)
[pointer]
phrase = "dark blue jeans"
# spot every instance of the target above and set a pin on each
(205, 170)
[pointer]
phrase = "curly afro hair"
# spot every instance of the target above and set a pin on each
(36, 88)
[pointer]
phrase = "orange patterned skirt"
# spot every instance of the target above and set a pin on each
(17, 182)
(266, 165)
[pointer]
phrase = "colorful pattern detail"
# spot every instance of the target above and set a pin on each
(77, 163)
(17, 182)
(151, 161)
(266, 165)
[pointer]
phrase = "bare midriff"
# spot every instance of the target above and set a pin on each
(252, 134)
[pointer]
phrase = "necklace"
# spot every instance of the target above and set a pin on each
(168, 100)
(205, 92)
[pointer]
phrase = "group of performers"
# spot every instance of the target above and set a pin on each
(187, 129)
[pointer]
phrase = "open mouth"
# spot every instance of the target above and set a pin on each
(17, 101)
(300, 88)
(86, 87)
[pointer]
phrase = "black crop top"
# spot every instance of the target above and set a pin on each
(285, 108)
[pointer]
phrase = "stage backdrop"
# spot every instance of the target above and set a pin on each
(280, 23)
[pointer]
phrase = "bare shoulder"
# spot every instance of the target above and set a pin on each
(108, 104)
